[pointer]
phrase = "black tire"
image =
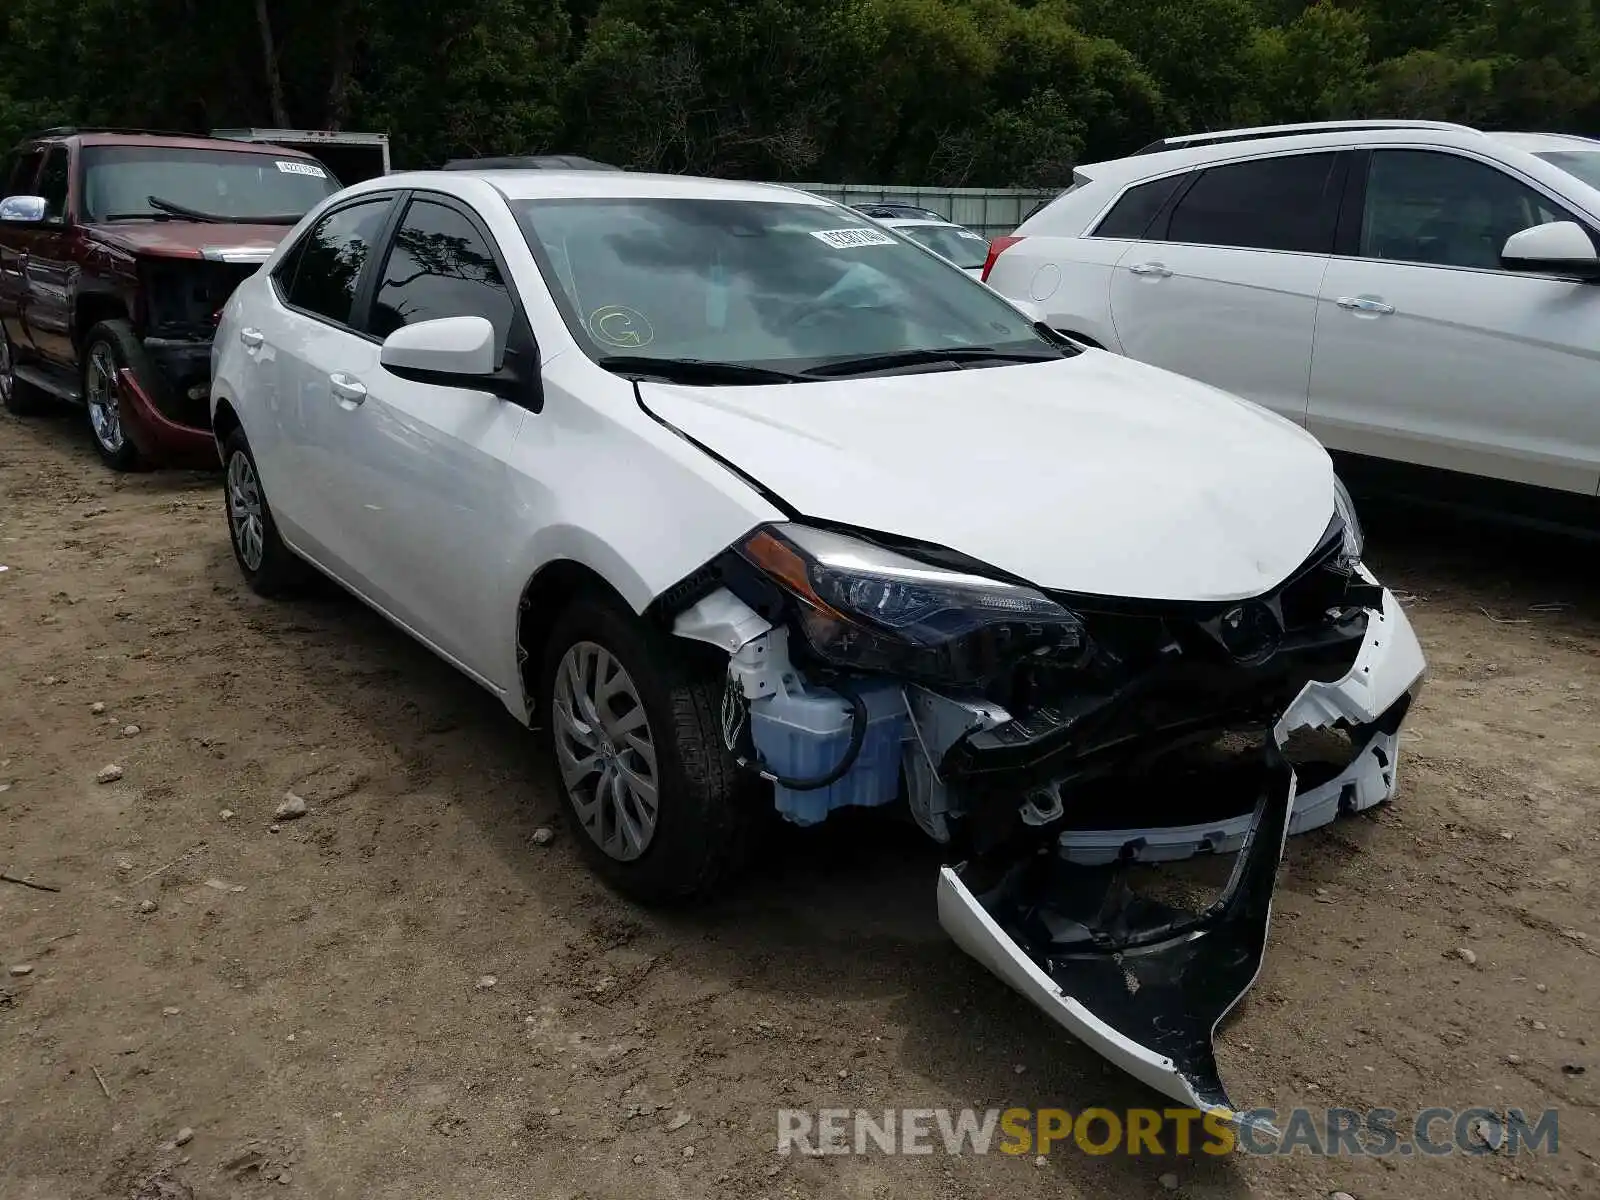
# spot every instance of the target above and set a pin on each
(706, 805)
(116, 339)
(276, 570)
(20, 399)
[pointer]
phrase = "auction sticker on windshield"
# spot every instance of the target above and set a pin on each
(301, 168)
(849, 239)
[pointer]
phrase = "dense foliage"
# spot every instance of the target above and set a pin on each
(975, 92)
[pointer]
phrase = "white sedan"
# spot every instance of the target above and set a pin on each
(748, 503)
(957, 243)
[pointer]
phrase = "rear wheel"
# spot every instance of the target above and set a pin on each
(16, 396)
(108, 349)
(268, 566)
(663, 812)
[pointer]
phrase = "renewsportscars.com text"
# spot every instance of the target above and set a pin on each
(1375, 1132)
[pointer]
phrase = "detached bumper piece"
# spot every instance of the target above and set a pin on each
(1143, 982)
(163, 438)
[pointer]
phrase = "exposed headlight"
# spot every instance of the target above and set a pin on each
(1354, 540)
(870, 609)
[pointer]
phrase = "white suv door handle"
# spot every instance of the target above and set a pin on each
(351, 391)
(1364, 304)
(1151, 268)
(252, 337)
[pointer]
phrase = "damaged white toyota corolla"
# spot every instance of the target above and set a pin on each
(749, 501)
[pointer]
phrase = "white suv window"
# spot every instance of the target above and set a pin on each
(1445, 210)
(1290, 202)
(1133, 214)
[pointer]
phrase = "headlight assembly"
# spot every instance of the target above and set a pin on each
(866, 608)
(1354, 540)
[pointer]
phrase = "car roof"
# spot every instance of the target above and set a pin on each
(1543, 143)
(599, 185)
(167, 141)
(1249, 143)
(913, 222)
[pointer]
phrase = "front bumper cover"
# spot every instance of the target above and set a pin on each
(1148, 988)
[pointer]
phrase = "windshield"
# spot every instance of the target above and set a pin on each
(960, 246)
(1585, 164)
(119, 181)
(754, 282)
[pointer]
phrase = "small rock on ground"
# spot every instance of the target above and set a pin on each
(292, 808)
(543, 835)
(485, 982)
(1168, 1181)
(185, 1136)
(22, 969)
(130, 731)
(148, 906)
(97, 708)
(678, 1122)
(109, 773)
(1467, 956)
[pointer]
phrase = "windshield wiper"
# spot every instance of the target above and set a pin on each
(169, 209)
(178, 210)
(893, 359)
(136, 216)
(695, 370)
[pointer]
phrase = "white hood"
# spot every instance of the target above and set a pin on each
(1094, 474)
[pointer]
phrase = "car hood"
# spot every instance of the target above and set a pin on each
(1094, 474)
(192, 239)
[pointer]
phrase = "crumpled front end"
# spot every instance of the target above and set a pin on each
(1146, 983)
(167, 398)
(1058, 745)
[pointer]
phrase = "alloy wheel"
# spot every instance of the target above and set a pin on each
(101, 397)
(605, 751)
(245, 510)
(8, 378)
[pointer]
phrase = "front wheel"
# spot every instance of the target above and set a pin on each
(268, 566)
(663, 812)
(108, 349)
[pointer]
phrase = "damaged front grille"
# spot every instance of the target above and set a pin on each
(1163, 671)
(183, 297)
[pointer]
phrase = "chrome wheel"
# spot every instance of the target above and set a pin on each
(100, 394)
(8, 380)
(245, 510)
(605, 750)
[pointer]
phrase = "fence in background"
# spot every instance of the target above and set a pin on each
(989, 211)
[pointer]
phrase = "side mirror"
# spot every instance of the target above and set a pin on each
(24, 210)
(1558, 247)
(453, 352)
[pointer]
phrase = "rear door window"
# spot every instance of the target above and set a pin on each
(329, 262)
(1132, 215)
(1287, 203)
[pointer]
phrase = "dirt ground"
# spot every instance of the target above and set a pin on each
(312, 1001)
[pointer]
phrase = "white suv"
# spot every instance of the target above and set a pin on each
(1408, 290)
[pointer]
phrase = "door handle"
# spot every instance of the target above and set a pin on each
(1152, 268)
(252, 337)
(349, 391)
(1364, 304)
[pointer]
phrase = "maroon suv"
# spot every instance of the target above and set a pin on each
(117, 252)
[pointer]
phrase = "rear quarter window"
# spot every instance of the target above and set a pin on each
(1132, 215)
